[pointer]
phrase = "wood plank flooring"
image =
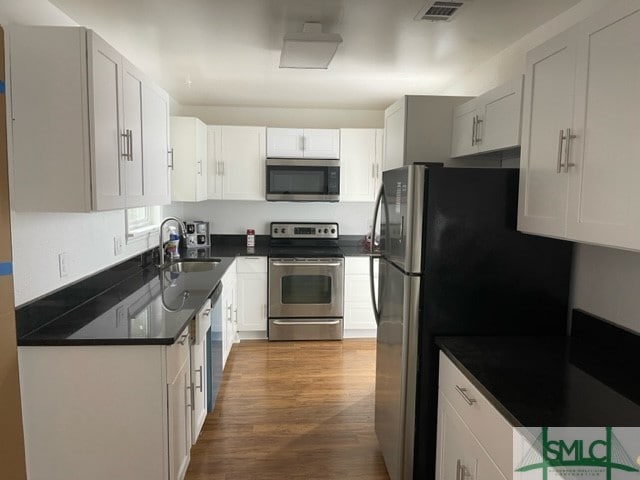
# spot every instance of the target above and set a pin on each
(293, 410)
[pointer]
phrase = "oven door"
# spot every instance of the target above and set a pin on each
(306, 287)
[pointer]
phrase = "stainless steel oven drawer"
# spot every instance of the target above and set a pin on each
(305, 329)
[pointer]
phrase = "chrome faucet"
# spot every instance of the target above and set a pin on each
(181, 229)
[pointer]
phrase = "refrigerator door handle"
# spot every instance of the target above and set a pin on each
(376, 310)
(376, 211)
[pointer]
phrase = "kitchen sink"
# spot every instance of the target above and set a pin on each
(191, 266)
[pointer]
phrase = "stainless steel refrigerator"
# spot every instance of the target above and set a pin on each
(452, 263)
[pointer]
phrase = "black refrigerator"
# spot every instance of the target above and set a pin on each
(452, 263)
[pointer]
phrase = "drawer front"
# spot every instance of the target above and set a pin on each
(490, 428)
(359, 266)
(177, 354)
(251, 264)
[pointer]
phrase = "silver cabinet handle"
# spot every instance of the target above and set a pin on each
(560, 141)
(377, 170)
(130, 135)
(465, 395)
(182, 339)
(229, 313)
(220, 168)
(302, 142)
(206, 312)
(264, 311)
(125, 149)
(199, 370)
(199, 163)
(191, 398)
(373, 170)
(567, 153)
(171, 156)
(458, 463)
(479, 120)
(473, 131)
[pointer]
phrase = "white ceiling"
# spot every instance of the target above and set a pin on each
(226, 52)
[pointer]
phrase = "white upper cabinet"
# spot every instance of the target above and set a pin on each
(548, 111)
(579, 166)
(155, 145)
(236, 169)
(303, 143)
(417, 128)
(189, 151)
(84, 103)
(489, 122)
(360, 164)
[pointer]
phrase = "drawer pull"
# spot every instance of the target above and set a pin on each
(465, 395)
(461, 471)
(182, 339)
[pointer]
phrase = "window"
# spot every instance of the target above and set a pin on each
(141, 222)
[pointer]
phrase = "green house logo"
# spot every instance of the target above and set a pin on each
(578, 457)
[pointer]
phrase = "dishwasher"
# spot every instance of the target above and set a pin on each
(214, 348)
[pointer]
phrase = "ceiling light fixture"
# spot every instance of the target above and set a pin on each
(309, 49)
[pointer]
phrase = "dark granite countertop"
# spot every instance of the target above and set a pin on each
(123, 304)
(551, 381)
(136, 311)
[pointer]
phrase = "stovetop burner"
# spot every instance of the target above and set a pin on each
(304, 240)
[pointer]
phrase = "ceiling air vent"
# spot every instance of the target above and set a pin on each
(439, 11)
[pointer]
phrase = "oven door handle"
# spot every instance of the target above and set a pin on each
(306, 264)
(286, 322)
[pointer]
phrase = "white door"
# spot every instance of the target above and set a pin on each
(215, 163)
(548, 105)
(454, 453)
(285, 143)
(603, 186)
(252, 302)
(201, 161)
(394, 135)
(179, 405)
(501, 118)
(105, 119)
(358, 167)
(243, 154)
(155, 145)
(132, 85)
(464, 130)
(321, 143)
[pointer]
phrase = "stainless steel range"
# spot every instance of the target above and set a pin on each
(306, 282)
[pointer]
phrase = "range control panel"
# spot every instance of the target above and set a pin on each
(305, 230)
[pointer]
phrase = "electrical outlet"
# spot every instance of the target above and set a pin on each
(63, 264)
(117, 245)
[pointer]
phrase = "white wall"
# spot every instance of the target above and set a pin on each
(605, 281)
(285, 117)
(234, 217)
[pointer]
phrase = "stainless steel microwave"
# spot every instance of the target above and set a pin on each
(302, 180)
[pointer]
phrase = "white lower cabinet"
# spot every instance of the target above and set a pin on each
(105, 412)
(199, 381)
(359, 319)
(475, 442)
(252, 297)
(229, 299)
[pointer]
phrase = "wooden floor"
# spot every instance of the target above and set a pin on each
(293, 410)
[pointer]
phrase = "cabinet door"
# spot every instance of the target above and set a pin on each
(184, 176)
(201, 161)
(243, 154)
(548, 104)
(215, 164)
(252, 302)
(229, 298)
(321, 143)
(358, 164)
(501, 117)
(132, 85)
(285, 143)
(464, 130)
(604, 198)
(455, 445)
(199, 385)
(179, 405)
(155, 145)
(394, 135)
(106, 129)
